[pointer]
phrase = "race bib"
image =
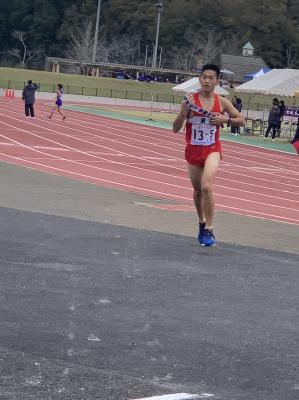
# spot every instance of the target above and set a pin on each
(202, 132)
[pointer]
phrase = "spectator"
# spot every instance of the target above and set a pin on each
(296, 137)
(234, 98)
(28, 95)
(234, 104)
(235, 130)
(273, 120)
(282, 108)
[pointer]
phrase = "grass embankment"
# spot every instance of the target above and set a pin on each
(90, 86)
(116, 88)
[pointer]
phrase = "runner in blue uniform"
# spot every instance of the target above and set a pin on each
(58, 102)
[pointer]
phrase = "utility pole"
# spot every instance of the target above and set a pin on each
(146, 52)
(96, 33)
(159, 6)
(160, 58)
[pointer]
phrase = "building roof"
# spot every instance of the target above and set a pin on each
(248, 46)
(118, 67)
(241, 65)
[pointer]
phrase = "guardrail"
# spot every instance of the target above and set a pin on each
(176, 98)
(98, 92)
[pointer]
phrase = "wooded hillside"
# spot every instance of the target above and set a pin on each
(191, 30)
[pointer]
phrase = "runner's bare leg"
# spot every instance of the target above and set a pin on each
(195, 174)
(209, 172)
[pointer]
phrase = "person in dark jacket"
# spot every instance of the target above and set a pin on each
(296, 137)
(28, 96)
(235, 130)
(273, 120)
(282, 108)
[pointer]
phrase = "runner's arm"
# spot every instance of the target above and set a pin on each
(180, 119)
(234, 117)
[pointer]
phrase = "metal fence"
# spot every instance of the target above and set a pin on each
(98, 92)
(262, 106)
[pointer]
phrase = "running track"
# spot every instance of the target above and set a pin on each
(149, 161)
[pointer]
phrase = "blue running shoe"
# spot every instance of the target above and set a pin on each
(208, 238)
(201, 231)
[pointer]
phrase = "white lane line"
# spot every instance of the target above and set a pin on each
(147, 179)
(272, 168)
(50, 148)
(260, 152)
(260, 155)
(175, 168)
(135, 167)
(120, 163)
(94, 144)
(160, 158)
(179, 396)
(267, 166)
(105, 154)
(120, 184)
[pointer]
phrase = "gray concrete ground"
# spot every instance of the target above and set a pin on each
(27, 190)
(105, 298)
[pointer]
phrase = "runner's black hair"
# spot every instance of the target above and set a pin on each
(211, 67)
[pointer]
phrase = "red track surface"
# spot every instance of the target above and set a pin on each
(147, 160)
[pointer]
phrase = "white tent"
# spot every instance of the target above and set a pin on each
(226, 72)
(262, 72)
(193, 84)
(278, 82)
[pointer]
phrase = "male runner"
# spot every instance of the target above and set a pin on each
(204, 114)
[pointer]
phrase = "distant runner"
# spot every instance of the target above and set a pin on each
(204, 114)
(58, 102)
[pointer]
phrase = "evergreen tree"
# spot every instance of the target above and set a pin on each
(271, 26)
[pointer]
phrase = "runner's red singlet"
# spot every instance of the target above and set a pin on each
(202, 138)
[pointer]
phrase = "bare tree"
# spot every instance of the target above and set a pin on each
(185, 58)
(24, 55)
(81, 43)
(234, 43)
(209, 45)
(203, 46)
(125, 50)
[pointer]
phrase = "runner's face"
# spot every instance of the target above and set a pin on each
(208, 80)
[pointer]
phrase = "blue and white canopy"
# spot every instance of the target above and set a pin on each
(257, 74)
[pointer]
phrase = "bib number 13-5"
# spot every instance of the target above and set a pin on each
(202, 135)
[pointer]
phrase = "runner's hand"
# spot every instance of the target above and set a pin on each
(219, 119)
